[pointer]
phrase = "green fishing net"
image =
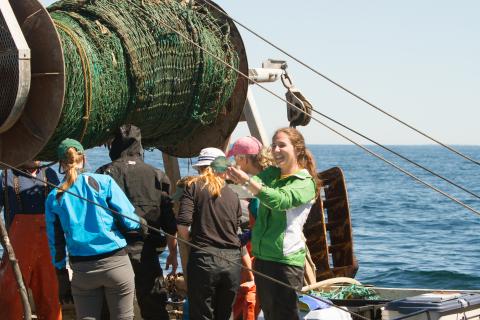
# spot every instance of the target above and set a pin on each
(348, 292)
(125, 63)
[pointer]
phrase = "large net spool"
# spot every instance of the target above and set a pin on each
(124, 64)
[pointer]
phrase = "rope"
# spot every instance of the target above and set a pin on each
(340, 134)
(343, 87)
(181, 240)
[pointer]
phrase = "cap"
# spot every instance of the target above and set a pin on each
(67, 144)
(245, 145)
(207, 155)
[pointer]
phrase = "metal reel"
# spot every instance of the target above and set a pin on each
(14, 68)
(24, 132)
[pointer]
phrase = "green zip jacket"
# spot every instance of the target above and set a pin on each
(284, 207)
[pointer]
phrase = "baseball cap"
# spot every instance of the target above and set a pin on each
(245, 145)
(67, 144)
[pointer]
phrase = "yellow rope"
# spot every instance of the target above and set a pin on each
(87, 75)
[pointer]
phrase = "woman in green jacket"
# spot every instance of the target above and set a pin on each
(286, 193)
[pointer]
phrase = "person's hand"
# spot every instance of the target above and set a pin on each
(143, 227)
(237, 175)
(172, 261)
(64, 287)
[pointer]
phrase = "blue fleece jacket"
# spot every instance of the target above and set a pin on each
(87, 229)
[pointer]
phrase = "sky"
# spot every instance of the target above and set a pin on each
(418, 60)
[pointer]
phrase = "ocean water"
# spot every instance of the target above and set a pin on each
(405, 235)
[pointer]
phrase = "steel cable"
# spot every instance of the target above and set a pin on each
(161, 232)
(335, 131)
(343, 87)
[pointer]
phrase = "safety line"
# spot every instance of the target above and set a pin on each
(161, 232)
(322, 123)
(343, 87)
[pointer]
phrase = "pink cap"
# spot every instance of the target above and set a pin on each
(245, 145)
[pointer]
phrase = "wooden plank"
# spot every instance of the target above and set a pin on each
(328, 229)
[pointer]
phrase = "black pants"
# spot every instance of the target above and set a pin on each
(149, 282)
(212, 283)
(278, 302)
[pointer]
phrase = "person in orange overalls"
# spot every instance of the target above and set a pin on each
(23, 201)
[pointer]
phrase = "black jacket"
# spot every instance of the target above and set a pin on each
(147, 188)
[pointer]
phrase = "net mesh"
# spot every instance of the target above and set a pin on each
(123, 65)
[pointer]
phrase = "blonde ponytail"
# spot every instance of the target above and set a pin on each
(210, 180)
(70, 165)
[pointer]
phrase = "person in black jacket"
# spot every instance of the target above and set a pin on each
(148, 189)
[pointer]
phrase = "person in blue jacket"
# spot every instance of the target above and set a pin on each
(77, 217)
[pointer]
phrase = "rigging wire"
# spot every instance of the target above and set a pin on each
(375, 142)
(343, 87)
(161, 232)
(399, 155)
(325, 125)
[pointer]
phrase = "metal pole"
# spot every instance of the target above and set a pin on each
(5, 241)
(254, 122)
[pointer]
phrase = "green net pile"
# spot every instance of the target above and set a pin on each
(348, 292)
(123, 64)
